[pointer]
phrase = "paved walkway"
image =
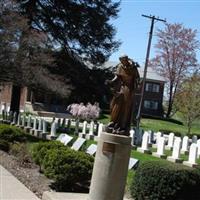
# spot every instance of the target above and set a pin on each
(13, 189)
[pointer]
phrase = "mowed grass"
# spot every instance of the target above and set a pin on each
(157, 124)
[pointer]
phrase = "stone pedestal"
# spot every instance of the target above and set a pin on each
(110, 167)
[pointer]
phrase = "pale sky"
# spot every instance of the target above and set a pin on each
(133, 29)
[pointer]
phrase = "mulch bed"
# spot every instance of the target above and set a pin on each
(28, 174)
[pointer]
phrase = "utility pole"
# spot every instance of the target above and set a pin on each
(153, 18)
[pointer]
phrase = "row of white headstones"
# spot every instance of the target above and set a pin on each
(39, 124)
(176, 144)
(170, 142)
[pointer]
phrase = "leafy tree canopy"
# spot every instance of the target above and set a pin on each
(81, 26)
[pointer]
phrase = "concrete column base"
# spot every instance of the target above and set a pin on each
(110, 167)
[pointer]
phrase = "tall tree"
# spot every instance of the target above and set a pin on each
(82, 27)
(188, 100)
(175, 57)
(25, 56)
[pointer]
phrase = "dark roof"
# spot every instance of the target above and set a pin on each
(151, 73)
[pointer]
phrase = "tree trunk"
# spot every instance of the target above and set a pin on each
(15, 99)
(169, 109)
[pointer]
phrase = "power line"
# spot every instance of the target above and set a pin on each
(153, 19)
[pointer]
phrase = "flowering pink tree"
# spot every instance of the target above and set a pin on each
(85, 112)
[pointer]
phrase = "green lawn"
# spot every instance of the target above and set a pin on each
(157, 124)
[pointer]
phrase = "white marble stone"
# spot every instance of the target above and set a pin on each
(92, 149)
(160, 148)
(29, 121)
(192, 156)
(78, 143)
(64, 138)
(91, 130)
(185, 145)
(145, 143)
(100, 129)
(53, 129)
(176, 151)
(170, 141)
(133, 163)
(84, 130)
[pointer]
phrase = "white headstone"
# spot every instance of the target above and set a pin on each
(161, 146)
(84, 127)
(92, 149)
(158, 134)
(35, 123)
(44, 127)
(192, 156)
(100, 129)
(185, 144)
(78, 143)
(132, 163)
(29, 121)
(145, 141)
(193, 153)
(91, 130)
(40, 123)
(64, 138)
(170, 140)
(132, 135)
(53, 129)
(176, 148)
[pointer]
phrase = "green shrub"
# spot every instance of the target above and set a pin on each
(156, 180)
(67, 168)
(39, 150)
(11, 134)
(4, 145)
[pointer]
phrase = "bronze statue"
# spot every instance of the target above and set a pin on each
(124, 85)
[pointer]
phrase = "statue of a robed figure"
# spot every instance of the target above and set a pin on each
(124, 86)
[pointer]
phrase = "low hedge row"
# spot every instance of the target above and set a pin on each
(11, 133)
(66, 167)
(156, 180)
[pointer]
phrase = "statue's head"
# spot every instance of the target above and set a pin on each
(124, 59)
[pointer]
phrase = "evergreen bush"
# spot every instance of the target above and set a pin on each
(68, 168)
(156, 180)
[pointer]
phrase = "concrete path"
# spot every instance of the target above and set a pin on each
(13, 189)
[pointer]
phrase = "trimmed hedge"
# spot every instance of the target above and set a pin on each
(11, 134)
(40, 149)
(156, 180)
(68, 168)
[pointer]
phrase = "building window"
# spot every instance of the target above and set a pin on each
(152, 87)
(152, 105)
